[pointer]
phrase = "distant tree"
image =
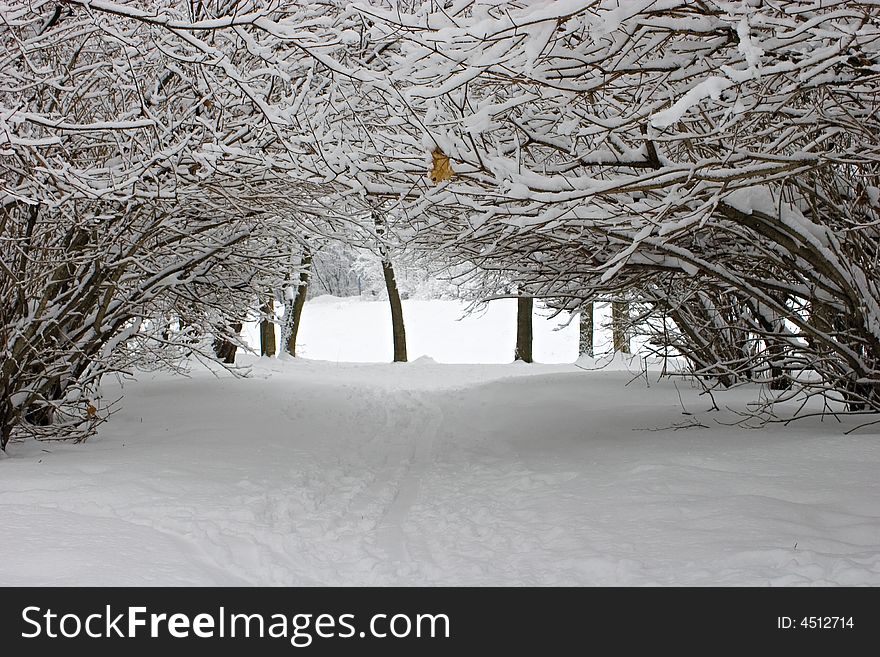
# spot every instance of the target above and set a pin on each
(620, 326)
(225, 343)
(523, 350)
(267, 328)
(295, 301)
(398, 328)
(585, 334)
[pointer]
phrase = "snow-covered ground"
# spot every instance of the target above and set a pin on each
(322, 472)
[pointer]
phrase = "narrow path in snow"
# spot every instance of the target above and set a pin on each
(426, 418)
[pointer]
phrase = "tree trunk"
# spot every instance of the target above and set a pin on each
(397, 327)
(299, 300)
(9, 417)
(5, 430)
(225, 349)
(523, 329)
(267, 329)
(585, 347)
(619, 322)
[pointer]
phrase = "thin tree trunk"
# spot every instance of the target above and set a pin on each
(523, 329)
(397, 328)
(267, 329)
(299, 300)
(585, 347)
(619, 325)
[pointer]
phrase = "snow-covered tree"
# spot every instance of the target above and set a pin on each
(716, 160)
(713, 163)
(152, 164)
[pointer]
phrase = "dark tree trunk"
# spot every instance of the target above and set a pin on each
(299, 300)
(585, 346)
(267, 329)
(397, 328)
(619, 326)
(9, 417)
(225, 349)
(524, 329)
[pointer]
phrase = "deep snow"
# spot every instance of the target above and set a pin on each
(318, 472)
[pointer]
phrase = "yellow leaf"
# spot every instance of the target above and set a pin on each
(441, 170)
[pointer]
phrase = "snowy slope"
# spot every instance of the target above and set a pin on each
(311, 472)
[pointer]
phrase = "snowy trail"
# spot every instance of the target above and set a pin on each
(391, 532)
(319, 473)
